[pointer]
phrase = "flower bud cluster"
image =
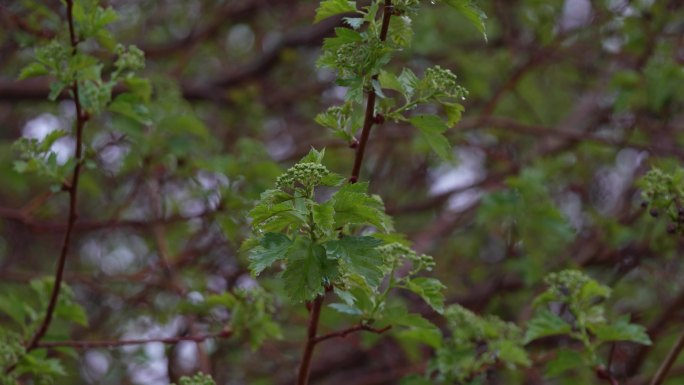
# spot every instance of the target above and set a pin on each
(306, 174)
(197, 379)
(396, 251)
(406, 6)
(443, 81)
(657, 184)
(566, 282)
(95, 95)
(129, 59)
(349, 57)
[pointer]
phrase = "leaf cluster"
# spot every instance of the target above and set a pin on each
(24, 312)
(358, 54)
(573, 305)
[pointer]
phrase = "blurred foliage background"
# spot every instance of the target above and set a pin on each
(570, 103)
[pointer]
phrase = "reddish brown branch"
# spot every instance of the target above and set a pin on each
(117, 343)
(369, 118)
(606, 375)
(315, 311)
(665, 367)
(305, 365)
(73, 197)
(354, 329)
(93, 225)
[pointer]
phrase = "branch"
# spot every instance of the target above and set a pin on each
(353, 329)
(81, 119)
(312, 340)
(305, 365)
(115, 343)
(369, 118)
(94, 225)
(655, 329)
(665, 367)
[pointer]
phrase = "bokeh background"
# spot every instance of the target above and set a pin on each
(570, 103)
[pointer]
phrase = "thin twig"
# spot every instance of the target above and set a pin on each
(665, 367)
(357, 328)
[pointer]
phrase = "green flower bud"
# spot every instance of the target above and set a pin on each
(305, 174)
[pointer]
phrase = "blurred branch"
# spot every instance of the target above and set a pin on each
(94, 225)
(213, 90)
(116, 343)
(221, 17)
(666, 365)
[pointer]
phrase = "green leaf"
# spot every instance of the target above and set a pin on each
(346, 309)
(592, 290)
(377, 89)
(390, 81)
(432, 127)
(342, 36)
(354, 22)
(324, 218)
(430, 290)
(130, 106)
(72, 312)
(308, 270)
(454, 112)
(511, 352)
(272, 247)
(354, 207)
(359, 255)
(36, 362)
(415, 380)
(139, 87)
(545, 323)
(472, 12)
(332, 180)
(20, 166)
(345, 296)
(417, 327)
(56, 89)
(565, 360)
(14, 308)
(401, 31)
(623, 330)
(330, 8)
(313, 156)
(409, 82)
(33, 70)
(276, 217)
